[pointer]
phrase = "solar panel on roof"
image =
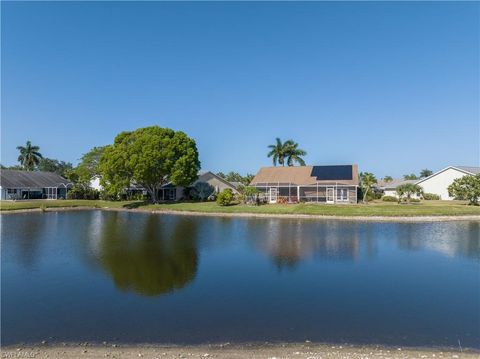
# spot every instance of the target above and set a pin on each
(325, 173)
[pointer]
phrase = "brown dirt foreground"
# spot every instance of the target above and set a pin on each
(265, 351)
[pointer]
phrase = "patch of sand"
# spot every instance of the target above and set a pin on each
(227, 351)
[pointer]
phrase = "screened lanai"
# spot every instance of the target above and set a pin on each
(24, 185)
(319, 184)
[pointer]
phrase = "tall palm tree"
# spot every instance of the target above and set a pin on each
(277, 152)
(293, 153)
(29, 156)
(387, 179)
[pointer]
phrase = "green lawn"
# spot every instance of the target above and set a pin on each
(426, 208)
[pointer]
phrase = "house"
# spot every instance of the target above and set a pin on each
(15, 184)
(438, 182)
(389, 188)
(322, 184)
(170, 192)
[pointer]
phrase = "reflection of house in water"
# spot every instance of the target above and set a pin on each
(150, 255)
(289, 242)
(451, 238)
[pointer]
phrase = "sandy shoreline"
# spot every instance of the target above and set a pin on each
(260, 215)
(261, 351)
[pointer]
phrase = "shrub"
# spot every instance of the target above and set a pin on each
(431, 196)
(225, 197)
(82, 192)
(466, 188)
(389, 199)
(201, 191)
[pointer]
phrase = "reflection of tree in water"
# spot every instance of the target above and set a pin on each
(146, 257)
(290, 242)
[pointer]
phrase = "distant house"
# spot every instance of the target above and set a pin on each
(438, 182)
(170, 192)
(390, 188)
(322, 184)
(16, 185)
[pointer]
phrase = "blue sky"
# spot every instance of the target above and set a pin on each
(393, 87)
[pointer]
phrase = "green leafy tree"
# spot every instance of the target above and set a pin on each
(367, 180)
(387, 179)
(407, 190)
(466, 188)
(150, 157)
(425, 173)
(88, 168)
(294, 154)
(411, 176)
(225, 197)
(221, 174)
(247, 179)
(29, 156)
(53, 165)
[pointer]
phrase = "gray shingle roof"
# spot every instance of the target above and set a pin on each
(474, 170)
(30, 179)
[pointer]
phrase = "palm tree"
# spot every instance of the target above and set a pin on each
(293, 153)
(367, 180)
(407, 190)
(387, 179)
(277, 152)
(29, 156)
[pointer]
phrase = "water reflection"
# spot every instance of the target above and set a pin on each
(340, 281)
(450, 239)
(150, 256)
(290, 242)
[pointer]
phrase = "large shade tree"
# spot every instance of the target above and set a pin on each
(425, 173)
(150, 157)
(29, 156)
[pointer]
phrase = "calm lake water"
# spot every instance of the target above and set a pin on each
(135, 277)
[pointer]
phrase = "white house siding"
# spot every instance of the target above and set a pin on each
(3, 193)
(95, 184)
(439, 182)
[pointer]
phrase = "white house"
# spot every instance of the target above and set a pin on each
(390, 188)
(438, 182)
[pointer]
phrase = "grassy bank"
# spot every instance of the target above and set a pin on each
(426, 208)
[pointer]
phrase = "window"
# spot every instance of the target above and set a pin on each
(342, 195)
